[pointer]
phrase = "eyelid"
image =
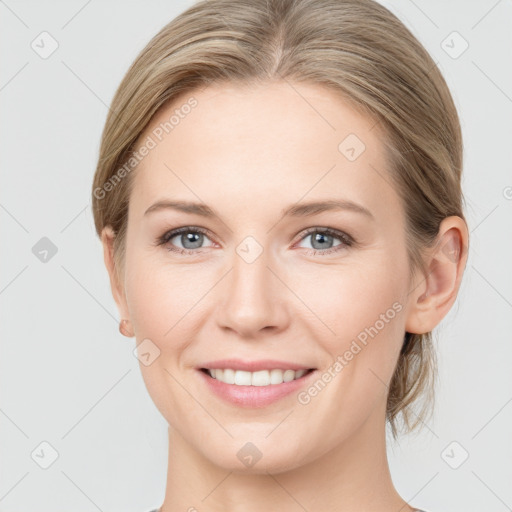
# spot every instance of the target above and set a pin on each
(346, 239)
(171, 233)
(336, 233)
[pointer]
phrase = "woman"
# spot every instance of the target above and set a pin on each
(246, 135)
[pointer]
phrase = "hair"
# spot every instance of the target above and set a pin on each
(355, 47)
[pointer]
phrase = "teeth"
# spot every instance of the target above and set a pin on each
(260, 378)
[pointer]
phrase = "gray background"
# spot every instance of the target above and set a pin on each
(68, 378)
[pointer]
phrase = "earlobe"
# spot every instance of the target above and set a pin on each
(125, 328)
(435, 292)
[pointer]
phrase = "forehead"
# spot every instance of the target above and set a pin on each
(265, 144)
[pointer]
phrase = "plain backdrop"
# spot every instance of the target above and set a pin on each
(72, 397)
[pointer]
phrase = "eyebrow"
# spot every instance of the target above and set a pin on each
(296, 210)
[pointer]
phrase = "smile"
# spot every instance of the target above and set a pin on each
(254, 389)
(259, 378)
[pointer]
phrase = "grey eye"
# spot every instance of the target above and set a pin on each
(320, 240)
(189, 240)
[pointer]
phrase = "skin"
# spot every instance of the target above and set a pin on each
(233, 152)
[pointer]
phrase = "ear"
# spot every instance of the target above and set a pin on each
(433, 295)
(117, 287)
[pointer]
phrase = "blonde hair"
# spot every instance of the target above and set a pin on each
(355, 47)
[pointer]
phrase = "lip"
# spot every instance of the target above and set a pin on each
(254, 397)
(252, 366)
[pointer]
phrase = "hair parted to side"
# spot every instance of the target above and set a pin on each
(355, 47)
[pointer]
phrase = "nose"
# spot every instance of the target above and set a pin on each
(254, 299)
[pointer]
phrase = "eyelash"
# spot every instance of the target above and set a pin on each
(347, 240)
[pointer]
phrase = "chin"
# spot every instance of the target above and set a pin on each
(254, 457)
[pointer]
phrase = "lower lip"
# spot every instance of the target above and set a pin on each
(254, 396)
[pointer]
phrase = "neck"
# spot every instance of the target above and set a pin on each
(352, 477)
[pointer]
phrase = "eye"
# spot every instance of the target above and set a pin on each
(190, 238)
(322, 240)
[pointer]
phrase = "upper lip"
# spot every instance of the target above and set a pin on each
(253, 366)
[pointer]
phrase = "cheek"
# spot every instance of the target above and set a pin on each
(349, 300)
(362, 306)
(161, 302)
(361, 327)
(148, 299)
(159, 295)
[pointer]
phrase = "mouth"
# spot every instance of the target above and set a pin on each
(271, 377)
(254, 389)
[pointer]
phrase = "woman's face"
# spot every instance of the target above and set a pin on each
(259, 281)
